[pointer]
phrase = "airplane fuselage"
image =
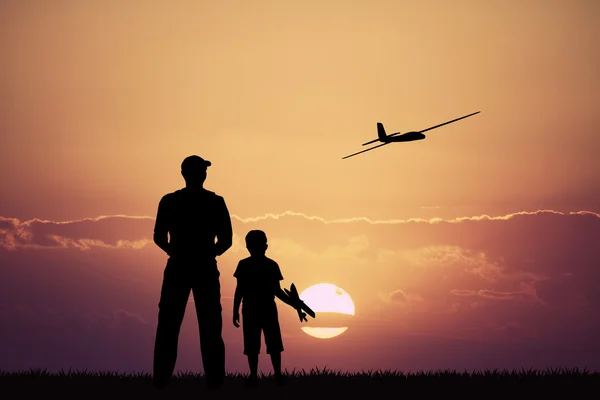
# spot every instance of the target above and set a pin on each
(407, 137)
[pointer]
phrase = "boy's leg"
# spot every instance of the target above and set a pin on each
(253, 364)
(274, 344)
(251, 330)
(276, 361)
(252, 380)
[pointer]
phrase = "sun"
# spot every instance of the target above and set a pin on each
(327, 298)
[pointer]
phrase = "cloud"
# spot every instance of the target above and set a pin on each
(525, 276)
(401, 296)
(490, 294)
(117, 231)
(35, 336)
(403, 301)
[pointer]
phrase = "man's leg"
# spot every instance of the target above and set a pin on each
(173, 300)
(207, 298)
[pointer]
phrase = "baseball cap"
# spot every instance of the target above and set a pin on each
(193, 163)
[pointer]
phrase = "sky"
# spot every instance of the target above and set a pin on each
(477, 247)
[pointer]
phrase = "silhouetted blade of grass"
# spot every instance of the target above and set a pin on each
(305, 385)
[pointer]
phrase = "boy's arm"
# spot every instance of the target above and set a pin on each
(281, 295)
(237, 298)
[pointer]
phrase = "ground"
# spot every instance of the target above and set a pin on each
(329, 385)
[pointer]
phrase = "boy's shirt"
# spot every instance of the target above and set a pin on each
(257, 277)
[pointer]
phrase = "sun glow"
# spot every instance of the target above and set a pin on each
(324, 333)
(327, 298)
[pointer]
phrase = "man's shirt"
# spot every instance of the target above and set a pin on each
(193, 219)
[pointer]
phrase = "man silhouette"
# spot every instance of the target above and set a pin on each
(187, 223)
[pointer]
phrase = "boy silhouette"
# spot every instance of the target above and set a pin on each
(258, 284)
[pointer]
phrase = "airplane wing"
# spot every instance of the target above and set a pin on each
(372, 148)
(449, 122)
(308, 310)
(294, 294)
(433, 127)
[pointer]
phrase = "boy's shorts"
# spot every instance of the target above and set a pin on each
(266, 321)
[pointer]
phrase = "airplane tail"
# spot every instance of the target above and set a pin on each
(381, 132)
(381, 135)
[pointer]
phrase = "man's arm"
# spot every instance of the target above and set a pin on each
(225, 230)
(161, 226)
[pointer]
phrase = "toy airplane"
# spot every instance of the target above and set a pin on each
(385, 139)
(293, 294)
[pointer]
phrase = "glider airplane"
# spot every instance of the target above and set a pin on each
(406, 137)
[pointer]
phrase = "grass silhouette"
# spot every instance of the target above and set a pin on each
(314, 384)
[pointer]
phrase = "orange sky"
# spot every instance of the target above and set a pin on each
(102, 100)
